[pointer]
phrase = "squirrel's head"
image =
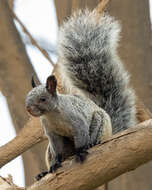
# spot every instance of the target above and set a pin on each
(43, 98)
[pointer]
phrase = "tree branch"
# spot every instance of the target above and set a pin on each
(15, 82)
(75, 5)
(101, 7)
(122, 153)
(33, 41)
(30, 135)
(7, 184)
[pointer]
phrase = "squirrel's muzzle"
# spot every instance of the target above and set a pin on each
(34, 111)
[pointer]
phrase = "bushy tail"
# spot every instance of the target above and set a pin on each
(88, 52)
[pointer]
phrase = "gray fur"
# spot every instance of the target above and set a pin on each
(68, 116)
(97, 123)
(89, 63)
(33, 101)
(88, 51)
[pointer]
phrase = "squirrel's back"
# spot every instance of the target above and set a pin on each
(89, 62)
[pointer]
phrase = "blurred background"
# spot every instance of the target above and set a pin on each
(37, 23)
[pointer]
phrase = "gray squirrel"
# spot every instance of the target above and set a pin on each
(104, 103)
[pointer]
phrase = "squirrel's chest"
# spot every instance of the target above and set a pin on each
(56, 123)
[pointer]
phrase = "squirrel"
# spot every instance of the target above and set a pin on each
(104, 103)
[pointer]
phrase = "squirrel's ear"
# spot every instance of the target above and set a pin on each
(51, 84)
(33, 82)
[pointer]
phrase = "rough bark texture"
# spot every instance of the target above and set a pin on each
(123, 153)
(28, 136)
(15, 76)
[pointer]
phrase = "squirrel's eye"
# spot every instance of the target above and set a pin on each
(43, 99)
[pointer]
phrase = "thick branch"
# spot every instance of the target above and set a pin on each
(30, 135)
(124, 152)
(15, 83)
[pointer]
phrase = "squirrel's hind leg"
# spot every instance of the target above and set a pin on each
(96, 128)
(100, 127)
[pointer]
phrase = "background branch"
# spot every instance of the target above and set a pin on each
(101, 7)
(15, 82)
(30, 135)
(7, 184)
(33, 41)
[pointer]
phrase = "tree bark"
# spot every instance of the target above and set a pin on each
(28, 137)
(15, 82)
(122, 153)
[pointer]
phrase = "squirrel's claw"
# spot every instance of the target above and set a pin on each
(39, 176)
(81, 154)
(57, 163)
(54, 167)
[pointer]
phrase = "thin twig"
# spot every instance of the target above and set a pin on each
(101, 7)
(75, 5)
(33, 41)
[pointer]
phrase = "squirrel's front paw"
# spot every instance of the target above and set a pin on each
(57, 164)
(81, 154)
(54, 167)
(39, 176)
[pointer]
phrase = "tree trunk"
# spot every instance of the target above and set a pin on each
(135, 46)
(15, 77)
